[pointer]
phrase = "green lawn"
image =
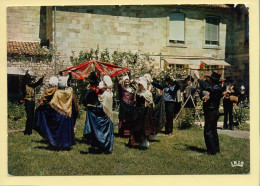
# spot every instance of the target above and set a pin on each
(181, 153)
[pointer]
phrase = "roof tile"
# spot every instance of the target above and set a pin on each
(28, 48)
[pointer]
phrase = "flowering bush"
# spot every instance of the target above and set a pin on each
(178, 73)
(15, 111)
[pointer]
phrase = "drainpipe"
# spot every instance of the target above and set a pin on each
(55, 46)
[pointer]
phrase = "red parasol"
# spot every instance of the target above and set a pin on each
(81, 71)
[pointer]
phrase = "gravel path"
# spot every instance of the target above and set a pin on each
(233, 133)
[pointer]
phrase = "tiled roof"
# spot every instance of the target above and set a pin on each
(27, 48)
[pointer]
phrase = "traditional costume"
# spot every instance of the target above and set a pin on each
(29, 97)
(126, 109)
(171, 101)
(211, 113)
(143, 126)
(55, 120)
(158, 112)
(98, 129)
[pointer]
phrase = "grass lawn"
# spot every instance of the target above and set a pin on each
(181, 153)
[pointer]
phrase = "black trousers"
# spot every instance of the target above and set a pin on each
(228, 114)
(29, 109)
(170, 109)
(210, 130)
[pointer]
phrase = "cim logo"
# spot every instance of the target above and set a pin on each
(237, 164)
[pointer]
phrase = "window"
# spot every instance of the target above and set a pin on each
(176, 28)
(177, 66)
(211, 67)
(212, 29)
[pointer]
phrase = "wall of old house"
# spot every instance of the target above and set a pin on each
(23, 23)
(135, 28)
(239, 58)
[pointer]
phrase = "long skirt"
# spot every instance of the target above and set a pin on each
(158, 114)
(126, 118)
(56, 128)
(99, 130)
(142, 128)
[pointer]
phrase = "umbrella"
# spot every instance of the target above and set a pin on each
(81, 71)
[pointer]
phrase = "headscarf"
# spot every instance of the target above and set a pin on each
(142, 82)
(53, 81)
(148, 78)
(62, 83)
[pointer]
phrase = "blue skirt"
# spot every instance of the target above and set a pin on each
(99, 130)
(56, 128)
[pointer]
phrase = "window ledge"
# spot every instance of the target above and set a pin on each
(177, 45)
(215, 47)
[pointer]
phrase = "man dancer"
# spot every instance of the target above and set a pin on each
(211, 113)
(170, 97)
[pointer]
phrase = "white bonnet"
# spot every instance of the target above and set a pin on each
(101, 84)
(62, 83)
(142, 78)
(142, 82)
(107, 80)
(53, 81)
(148, 77)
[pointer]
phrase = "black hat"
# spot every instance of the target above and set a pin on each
(228, 79)
(215, 77)
(92, 78)
(189, 78)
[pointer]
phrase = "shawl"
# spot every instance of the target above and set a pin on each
(106, 100)
(148, 98)
(62, 101)
(48, 94)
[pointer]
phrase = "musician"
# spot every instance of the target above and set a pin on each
(213, 93)
(228, 103)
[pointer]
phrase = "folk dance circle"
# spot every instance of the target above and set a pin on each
(143, 111)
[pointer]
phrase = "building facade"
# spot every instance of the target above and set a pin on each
(182, 36)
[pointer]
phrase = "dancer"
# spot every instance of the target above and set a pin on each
(98, 129)
(126, 110)
(28, 89)
(211, 110)
(171, 102)
(55, 120)
(142, 128)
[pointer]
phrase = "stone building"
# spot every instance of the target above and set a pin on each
(182, 36)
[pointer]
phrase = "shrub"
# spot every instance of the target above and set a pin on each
(186, 119)
(240, 115)
(16, 111)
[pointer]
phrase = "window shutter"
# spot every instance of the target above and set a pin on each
(212, 24)
(176, 27)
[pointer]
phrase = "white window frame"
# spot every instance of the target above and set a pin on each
(208, 42)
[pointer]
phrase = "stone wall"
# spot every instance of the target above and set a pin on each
(134, 28)
(38, 68)
(23, 23)
(239, 58)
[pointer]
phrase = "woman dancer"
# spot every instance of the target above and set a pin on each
(126, 110)
(98, 129)
(142, 128)
(55, 119)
